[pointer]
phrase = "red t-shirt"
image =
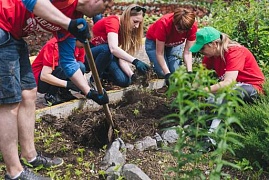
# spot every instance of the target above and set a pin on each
(164, 30)
(49, 56)
(103, 27)
(17, 20)
(238, 58)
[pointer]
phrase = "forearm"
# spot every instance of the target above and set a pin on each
(187, 57)
(125, 67)
(50, 79)
(162, 63)
(215, 87)
(121, 54)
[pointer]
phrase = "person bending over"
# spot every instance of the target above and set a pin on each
(122, 37)
(168, 41)
(50, 77)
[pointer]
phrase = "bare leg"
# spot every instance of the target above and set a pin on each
(26, 124)
(79, 80)
(9, 138)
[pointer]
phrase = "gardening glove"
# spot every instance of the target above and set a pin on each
(166, 77)
(140, 66)
(100, 99)
(72, 86)
(81, 33)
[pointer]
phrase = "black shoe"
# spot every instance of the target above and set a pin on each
(27, 175)
(46, 162)
(66, 95)
(52, 99)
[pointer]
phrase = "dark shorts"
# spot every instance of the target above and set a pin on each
(15, 69)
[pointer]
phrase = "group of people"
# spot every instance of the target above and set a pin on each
(60, 66)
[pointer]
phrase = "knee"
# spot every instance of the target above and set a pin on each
(29, 94)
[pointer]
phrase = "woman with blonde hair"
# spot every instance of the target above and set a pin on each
(233, 63)
(168, 41)
(122, 37)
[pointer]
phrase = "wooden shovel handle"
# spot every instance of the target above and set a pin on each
(97, 81)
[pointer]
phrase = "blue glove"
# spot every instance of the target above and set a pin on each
(140, 66)
(100, 99)
(79, 28)
(166, 77)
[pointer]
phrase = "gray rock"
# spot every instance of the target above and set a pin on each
(132, 172)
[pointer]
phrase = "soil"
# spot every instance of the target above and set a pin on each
(139, 114)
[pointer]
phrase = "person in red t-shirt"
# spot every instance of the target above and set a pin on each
(168, 41)
(18, 19)
(50, 77)
(232, 62)
(122, 36)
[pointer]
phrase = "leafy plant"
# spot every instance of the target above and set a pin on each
(189, 96)
(244, 21)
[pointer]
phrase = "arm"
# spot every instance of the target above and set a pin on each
(46, 76)
(160, 56)
(45, 10)
(113, 44)
(187, 55)
(125, 66)
(229, 77)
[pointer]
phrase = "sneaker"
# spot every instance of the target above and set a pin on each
(27, 175)
(46, 162)
(52, 99)
(66, 95)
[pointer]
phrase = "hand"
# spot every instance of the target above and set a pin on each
(166, 77)
(81, 33)
(72, 86)
(100, 99)
(140, 66)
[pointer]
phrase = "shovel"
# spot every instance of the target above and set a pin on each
(99, 87)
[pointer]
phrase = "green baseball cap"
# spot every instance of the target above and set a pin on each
(204, 36)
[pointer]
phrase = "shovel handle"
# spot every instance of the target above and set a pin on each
(97, 81)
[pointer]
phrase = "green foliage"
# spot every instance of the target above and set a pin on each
(255, 120)
(189, 96)
(245, 22)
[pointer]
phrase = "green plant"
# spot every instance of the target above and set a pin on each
(244, 21)
(189, 96)
(255, 120)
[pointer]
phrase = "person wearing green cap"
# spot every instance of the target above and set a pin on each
(168, 41)
(232, 62)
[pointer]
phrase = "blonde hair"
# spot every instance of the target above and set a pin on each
(223, 44)
(130, 39)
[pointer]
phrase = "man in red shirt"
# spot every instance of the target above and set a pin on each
(50, 77)
(20, 18)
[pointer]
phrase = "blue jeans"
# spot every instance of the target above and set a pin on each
(172, 56)
(44, 87)
(102, 57)
(15, 69)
